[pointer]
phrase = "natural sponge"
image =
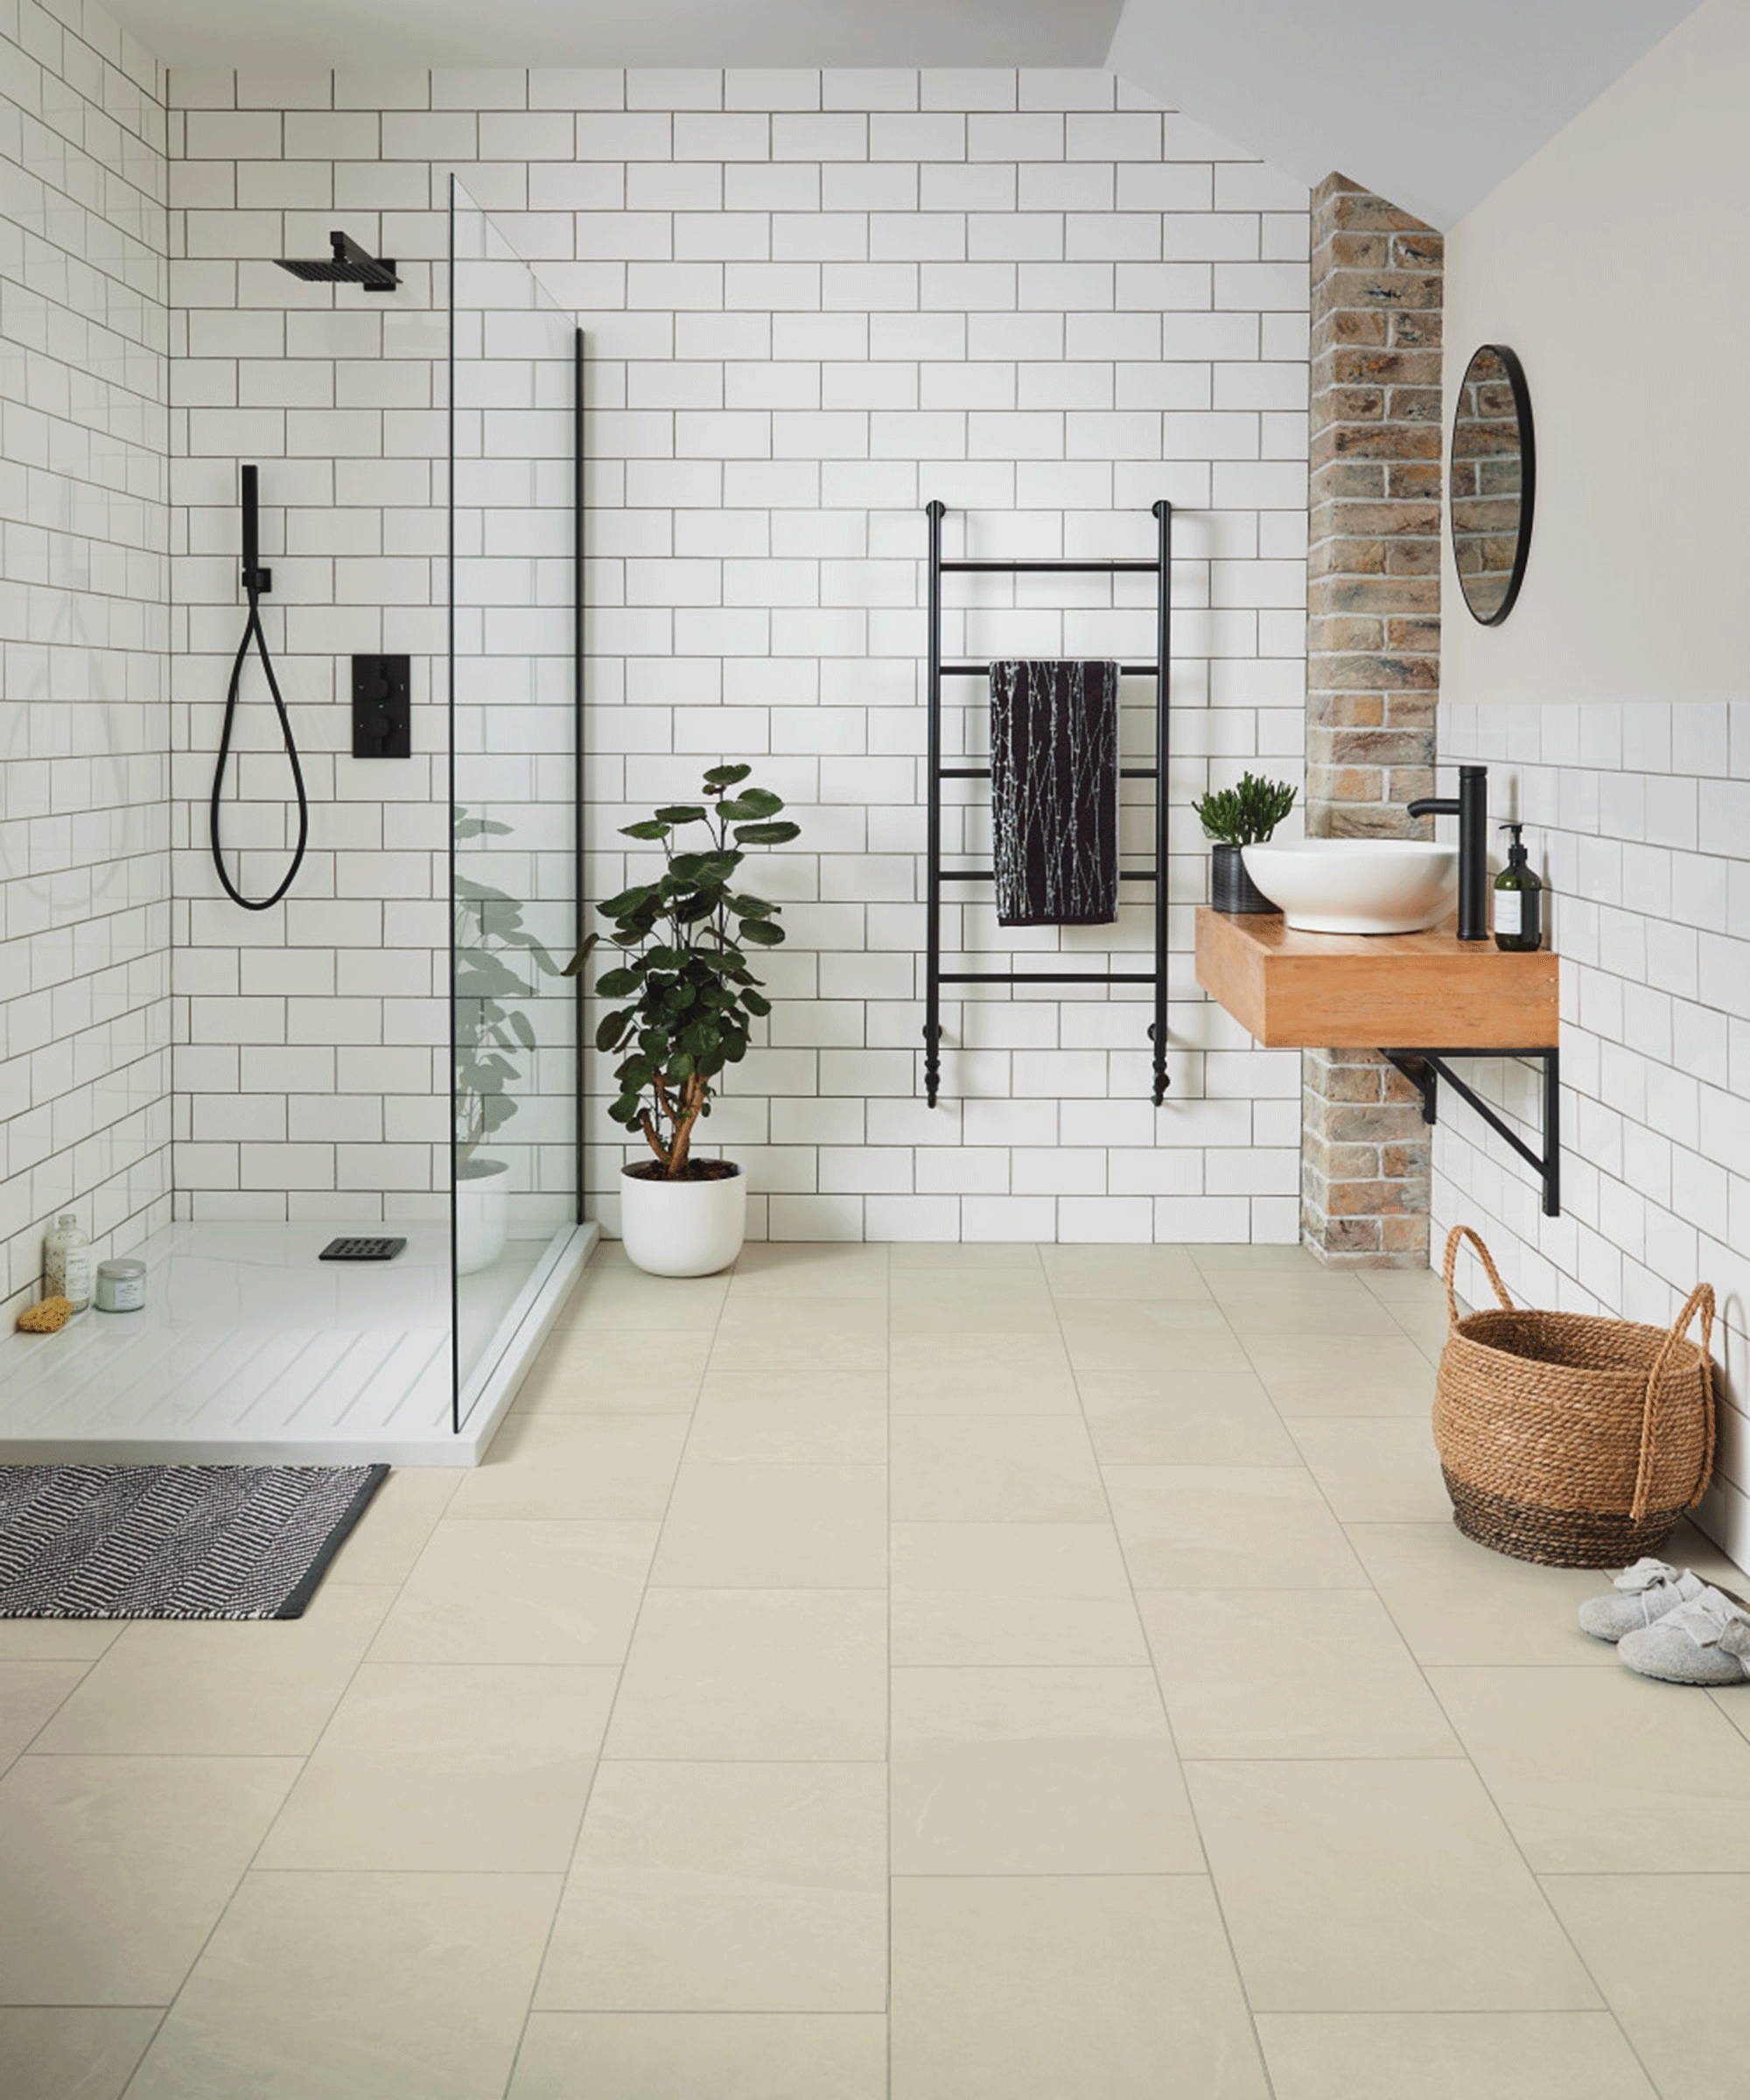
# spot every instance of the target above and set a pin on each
(49, 1318)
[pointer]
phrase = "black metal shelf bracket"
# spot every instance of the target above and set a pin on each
(1424, 1069)
(1160, 567)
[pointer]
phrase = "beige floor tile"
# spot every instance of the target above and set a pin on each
(760, 1674)
(1670, 1953)
(1427, 1329)
(1606, 1772)
(756, 1527)
(1147, 1335)
(1020, 1257)
(490, 1591)
(809, 1333)
(1376, 1886)
(1036, 1772)
(1279, 1303)
(1450, 2056)
(1329, 1374)
(816, 1270)
(72, 2052)
(1000, 1468)
(791, 1419)
(373, 1986)
(739, 1887)
(1292, 1260)
(1116, 1986)
(399, 1518)
(983, 1298)
(1229, 1527)
(689, 2055)
(575, 1465)
(56, 1640)
(29, 1694)
(448, 1766)
(981, 1375)
(1015, 1594)
(260, 1688)
(1183, 1418)
(118, 1868)
(1129, 1272)
(985, 1302)
(1378, 1469)
(1456, 1602)
(1290, 1673)
(593, 1372)
(630, 1301)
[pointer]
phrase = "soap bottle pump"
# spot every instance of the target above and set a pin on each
(1518, 900)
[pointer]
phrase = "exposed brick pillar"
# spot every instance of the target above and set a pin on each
(1372, 667)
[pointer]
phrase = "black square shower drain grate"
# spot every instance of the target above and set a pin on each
(362, 1251)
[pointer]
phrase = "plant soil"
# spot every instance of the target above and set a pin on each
(694, 1170)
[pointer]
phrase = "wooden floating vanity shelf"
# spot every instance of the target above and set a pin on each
(1360, 992)
(1420, 999)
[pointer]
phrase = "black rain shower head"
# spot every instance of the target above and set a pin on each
(349, 264)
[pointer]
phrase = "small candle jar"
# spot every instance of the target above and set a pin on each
(120, 1286)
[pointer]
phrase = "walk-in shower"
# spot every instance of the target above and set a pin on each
(457, 1126)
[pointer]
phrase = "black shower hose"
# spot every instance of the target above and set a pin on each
(252, 632)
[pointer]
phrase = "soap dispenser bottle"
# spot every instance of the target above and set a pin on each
(1518, 900)
(67, 1261)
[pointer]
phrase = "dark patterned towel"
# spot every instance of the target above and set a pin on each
(1054, 792)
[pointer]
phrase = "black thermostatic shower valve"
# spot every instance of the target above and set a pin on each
(382, 707)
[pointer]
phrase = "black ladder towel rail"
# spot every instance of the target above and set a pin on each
(935, 875)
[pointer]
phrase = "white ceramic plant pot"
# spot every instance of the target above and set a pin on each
(482, 1214)
(682, 1228)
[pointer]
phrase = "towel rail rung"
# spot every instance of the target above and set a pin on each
(1059, 568)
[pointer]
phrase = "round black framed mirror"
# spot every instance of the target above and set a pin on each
(1491, 479)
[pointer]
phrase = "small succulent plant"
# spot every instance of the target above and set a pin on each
(1245, 816)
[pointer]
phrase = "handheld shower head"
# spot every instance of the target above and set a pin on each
(349, 264)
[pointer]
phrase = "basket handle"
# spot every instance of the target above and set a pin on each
(1464, 1232)
(1700, 1298)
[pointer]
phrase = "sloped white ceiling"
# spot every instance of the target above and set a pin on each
(305, 33)
(1431, 105)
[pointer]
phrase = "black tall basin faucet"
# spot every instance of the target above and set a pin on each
(1470, 806)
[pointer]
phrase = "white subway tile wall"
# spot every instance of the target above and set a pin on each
(1638, 819)
(814, 301)
(85, 1015)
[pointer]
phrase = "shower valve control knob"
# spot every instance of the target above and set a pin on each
(383, 715)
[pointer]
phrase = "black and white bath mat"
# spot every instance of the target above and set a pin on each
(173, 1542)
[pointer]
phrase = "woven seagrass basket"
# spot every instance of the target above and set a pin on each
(1569, 1440)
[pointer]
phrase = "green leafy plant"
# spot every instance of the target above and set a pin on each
(1245, 816)
(688, 994)
(492, 1032)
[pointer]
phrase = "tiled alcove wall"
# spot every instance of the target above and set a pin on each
(814, 301)
(84, 870)
(1638, 817)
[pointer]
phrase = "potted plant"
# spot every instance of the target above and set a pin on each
(1234, 817)
(685, 998)
(492, 1036)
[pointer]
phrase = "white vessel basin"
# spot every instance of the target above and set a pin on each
(1357, 885)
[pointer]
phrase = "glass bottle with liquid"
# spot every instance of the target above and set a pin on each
(1518, 900)
(67, 1261)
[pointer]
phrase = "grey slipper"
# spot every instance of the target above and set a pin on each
(1704, 1641)
(1647, 1592)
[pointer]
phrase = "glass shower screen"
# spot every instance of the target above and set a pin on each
(515, 710)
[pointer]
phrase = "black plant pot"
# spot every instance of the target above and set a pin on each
(1230, 888)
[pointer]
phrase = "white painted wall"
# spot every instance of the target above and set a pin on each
(814, 301)
(1611, 706)
(1610, 262)
(84, 869)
